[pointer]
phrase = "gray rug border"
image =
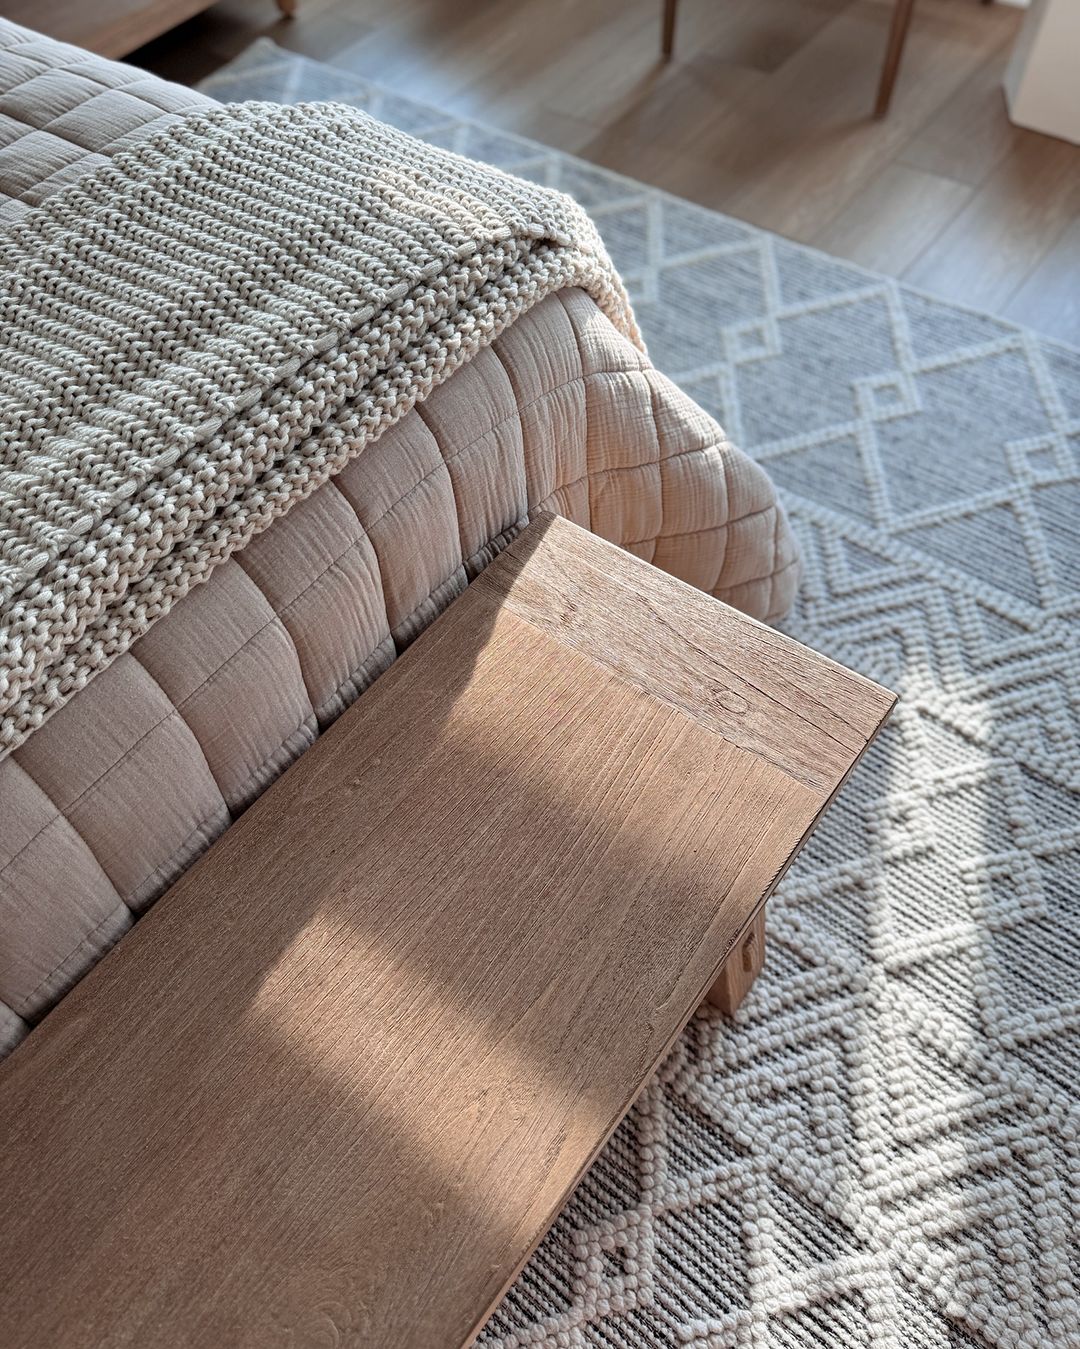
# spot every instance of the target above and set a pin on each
(206, 86)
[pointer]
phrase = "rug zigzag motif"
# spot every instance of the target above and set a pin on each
(883, 1149)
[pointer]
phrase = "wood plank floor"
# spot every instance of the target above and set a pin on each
(763, 113)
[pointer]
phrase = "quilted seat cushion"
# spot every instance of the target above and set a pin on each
(109, 801)
(63, 111)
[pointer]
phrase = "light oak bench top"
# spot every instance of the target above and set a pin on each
(336, 1085)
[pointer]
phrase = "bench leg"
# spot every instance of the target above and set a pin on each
(741, 968)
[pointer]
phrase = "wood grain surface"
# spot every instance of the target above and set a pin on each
(108, 27)
(336, 1085)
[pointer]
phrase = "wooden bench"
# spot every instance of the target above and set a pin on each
(336, 1085)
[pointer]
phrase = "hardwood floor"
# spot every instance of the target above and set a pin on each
(763, 113)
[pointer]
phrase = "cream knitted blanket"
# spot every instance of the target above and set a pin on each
(203, 332)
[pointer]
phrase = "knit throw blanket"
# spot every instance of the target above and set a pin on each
(204, 331)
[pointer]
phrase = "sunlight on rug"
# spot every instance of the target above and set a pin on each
(883, 1149)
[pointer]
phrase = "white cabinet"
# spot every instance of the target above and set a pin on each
(1042, 82)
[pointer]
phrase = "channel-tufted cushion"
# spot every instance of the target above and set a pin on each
(109, 801)
(64, 111)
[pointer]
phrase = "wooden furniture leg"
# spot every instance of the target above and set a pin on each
(898, 30)
(901, 21)
(742, 967)
(667, 39)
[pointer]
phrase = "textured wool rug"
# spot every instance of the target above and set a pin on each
(882, 1150)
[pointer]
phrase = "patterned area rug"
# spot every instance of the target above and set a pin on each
(882, 1150)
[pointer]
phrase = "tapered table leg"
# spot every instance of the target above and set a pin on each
(901, 21)
(742, 967)
(667, 37)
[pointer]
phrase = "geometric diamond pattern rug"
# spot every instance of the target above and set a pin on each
(883, 1148)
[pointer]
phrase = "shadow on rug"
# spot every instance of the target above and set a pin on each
(882, 1149)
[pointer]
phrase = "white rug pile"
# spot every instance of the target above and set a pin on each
(883, 1150)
